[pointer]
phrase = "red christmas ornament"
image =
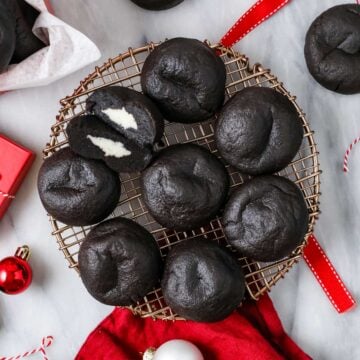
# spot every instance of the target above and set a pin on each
(15, 272)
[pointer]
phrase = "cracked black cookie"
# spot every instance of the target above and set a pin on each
(157, 4)
(332, 49)
(186, 79)
(185, 186)
(77, 191)
(129, 112)
(266, 218)
(202, 281)
(122, 129)
(258, 131)
(91, 138)
(119, 262)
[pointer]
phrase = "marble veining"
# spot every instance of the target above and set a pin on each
(58, 304)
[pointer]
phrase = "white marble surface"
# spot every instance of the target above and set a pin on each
(57, 303)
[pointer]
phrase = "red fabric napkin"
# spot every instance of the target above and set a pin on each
(253, 332)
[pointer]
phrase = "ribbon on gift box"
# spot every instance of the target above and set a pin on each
(6, 195)
(314, 255)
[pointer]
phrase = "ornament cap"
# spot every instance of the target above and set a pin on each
(149, 354)
(23, 252)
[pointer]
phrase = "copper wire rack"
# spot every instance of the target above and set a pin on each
(125, 70)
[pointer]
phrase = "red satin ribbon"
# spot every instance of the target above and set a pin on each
(314, 255)
(327, 276)
(258, 13)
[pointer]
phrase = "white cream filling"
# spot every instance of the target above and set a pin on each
(110, 147)
(121, 117)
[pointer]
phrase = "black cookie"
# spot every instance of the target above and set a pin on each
(91, 138)
(202, 281)
(29, 12)
(185, 186)
(157, 4)
(26, 42)
(258, 131)
(119, 262)
(129, 112)
(77, 191)
(332, 49)
(7, 32)
(186, 79)
(266, 218)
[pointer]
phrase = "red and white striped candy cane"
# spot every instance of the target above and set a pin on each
(45, 342)
(347, 154)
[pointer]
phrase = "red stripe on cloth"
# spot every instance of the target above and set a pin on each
(327, 276)
(258, 13)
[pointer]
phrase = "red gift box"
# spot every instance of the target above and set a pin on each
(15, 162)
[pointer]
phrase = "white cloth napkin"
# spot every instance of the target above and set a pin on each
(68, 50)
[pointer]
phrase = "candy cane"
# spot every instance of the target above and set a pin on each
(45, 342)
(347, 154)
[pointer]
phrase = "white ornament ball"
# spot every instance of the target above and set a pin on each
(178, 350)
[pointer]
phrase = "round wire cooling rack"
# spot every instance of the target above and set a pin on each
(125, 70)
